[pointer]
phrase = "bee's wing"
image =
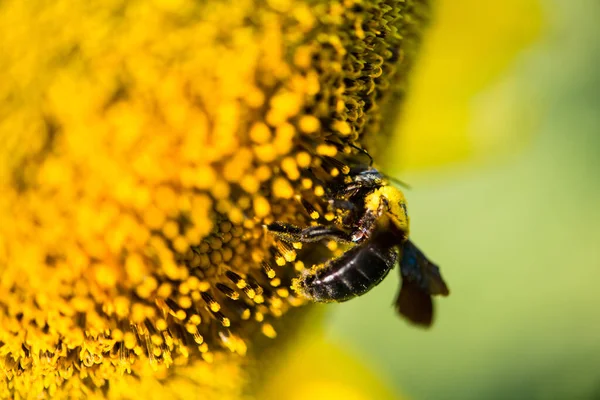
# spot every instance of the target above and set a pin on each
(414, 304)
(417, 268)
(420, 280)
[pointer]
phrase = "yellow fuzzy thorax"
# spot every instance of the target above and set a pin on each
(395, 209)
(143, 145)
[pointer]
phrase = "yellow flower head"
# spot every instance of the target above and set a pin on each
(143, 146)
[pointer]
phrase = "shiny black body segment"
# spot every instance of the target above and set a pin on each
(352, 274)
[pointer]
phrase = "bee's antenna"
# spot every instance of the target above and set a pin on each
(397, 181)
(364, 152)
(389, 178)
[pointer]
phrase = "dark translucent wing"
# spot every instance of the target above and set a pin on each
(420, 280)
(415, 267)
(414, 304)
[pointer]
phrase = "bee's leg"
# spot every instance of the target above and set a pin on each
(347, 209)
(291, 233)
(342, 204)
(367, 223)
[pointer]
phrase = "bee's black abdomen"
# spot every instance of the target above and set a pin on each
(352, 274)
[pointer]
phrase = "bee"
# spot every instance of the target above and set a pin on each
(375, 227)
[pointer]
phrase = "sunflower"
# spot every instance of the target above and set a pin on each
(143, 146)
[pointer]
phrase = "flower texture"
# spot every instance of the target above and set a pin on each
(143, 146)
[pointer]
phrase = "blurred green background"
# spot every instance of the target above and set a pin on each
(505, 170)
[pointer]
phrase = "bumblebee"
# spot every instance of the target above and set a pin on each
(375, 227)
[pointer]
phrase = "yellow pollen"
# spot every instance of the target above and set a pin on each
(282, 188)
(290, 167)
(299, 266)
(326, 150)
(249, 292)
(303, 159)
(161, 325)
(268, 331)
(246, 314)
(185, 302)
(306, 183)
(279, 260)
(342, 127)
(208, 357)
(268, 270)
(258, 299)
(262, 207)
(309, 124)
(129, 340)
(275, 282)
